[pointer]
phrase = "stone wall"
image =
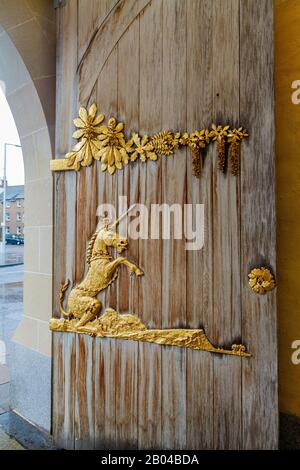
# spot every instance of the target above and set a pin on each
(27, 74)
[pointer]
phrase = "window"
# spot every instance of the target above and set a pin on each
(19, 231)
(7, 217)
(19, 203)
(19, 216)
(8, 205)
(7, 230)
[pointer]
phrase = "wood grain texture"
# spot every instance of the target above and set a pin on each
(65, 184)
(226, 231)
(85, 404)
(171, 64)
(199, 271)
(258, 225)
(64, 349)
(126, 394)
(107, 99)
(91, 14)
(64, 374)
(150, 120)
(150, 251)
(128, 179)
(105, 394)
(174, 255)
(128, 286)
(105, 39)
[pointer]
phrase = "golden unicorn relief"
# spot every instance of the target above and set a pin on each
(103, 270)
(83, 307)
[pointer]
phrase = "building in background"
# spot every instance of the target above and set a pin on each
(14, 209)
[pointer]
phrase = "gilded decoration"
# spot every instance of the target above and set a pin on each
(261, 280)
(82, 313)
(108, 144)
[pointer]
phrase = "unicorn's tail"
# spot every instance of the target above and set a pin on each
(62, 291)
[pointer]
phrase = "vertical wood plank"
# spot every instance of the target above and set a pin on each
(149, 396)
(150, 251)
(107, 99)
(174, 255)
(85, 393)
(105, 396)
(65, 183)
(128, 287)
(151, 173)
(63, 390)
(86, 219)
(86, 209)
(64, 348)
(105, 379)
(128, 177)
(200, 262)
(126, 394)
(260, 408)
(226, 232)
(86, 195)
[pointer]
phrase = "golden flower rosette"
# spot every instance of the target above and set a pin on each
(261, 280)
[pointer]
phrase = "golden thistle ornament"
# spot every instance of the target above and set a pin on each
(221, 155)
(165, 142)
(234, 158)
(219, 134)
(234, 137)
(196, 162)
(196, 142)
(261, 280)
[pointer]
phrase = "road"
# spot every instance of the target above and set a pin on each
(11, 303)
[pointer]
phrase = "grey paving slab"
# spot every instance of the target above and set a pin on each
(8, 443)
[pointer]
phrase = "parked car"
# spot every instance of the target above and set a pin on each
(14, 240)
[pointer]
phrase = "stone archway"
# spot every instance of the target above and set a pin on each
(27, 69)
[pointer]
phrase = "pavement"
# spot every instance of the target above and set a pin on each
(11, 302)
(12, 254)
(8, 443)
(11, 311)
(15, 433)
(11, 275)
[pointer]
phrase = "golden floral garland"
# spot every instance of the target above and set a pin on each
(107, 144)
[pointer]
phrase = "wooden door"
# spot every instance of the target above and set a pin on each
(179, 65)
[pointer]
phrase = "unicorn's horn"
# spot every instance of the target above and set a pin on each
(116, 222)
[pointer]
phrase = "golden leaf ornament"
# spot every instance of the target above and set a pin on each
(108, 144)
(114, 151)
(86, 149)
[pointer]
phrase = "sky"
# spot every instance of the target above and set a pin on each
(9, 133)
